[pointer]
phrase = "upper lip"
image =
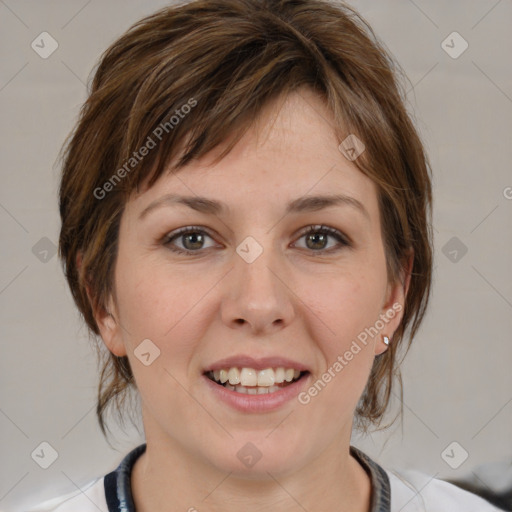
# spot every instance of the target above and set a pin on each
(245, 361)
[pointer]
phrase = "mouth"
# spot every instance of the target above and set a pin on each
(250, 381)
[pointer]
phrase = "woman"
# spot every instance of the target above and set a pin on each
(245, 211)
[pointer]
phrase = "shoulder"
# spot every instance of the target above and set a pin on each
(91, 498)
(414, 491)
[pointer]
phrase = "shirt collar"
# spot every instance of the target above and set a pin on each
(381, 491)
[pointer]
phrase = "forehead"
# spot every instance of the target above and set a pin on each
(289, 151)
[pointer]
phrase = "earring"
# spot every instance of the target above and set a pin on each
(386, 340)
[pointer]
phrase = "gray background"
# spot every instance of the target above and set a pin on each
(457, 378)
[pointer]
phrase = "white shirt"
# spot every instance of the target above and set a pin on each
(405, 491)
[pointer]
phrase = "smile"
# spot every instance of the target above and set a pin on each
(255, 382)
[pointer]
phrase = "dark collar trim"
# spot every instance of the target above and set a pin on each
(118, 489)
(381, 489)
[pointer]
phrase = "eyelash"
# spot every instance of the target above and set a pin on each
(343, 241)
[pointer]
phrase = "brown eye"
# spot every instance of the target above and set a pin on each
(317, 239)
(192, 239)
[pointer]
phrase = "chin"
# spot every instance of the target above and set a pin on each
(253, 456)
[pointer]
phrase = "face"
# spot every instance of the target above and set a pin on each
(265, 277)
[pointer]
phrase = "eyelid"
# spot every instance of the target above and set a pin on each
(185, 229)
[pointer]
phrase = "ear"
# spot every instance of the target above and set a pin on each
(106, 318)
(110, 329)
(393, 308)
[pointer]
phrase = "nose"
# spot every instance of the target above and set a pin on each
(258, 298)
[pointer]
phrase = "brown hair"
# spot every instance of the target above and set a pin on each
(226, 59)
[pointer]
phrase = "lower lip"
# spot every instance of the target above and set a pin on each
(257, 403)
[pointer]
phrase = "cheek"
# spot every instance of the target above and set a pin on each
(156, 302)
(347, 304)
(347, 309)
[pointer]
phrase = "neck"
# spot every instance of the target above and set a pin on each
(167, 478)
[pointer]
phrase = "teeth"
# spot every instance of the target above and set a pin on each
(248, 377)
(233, 376)
(279, 375)
(266, 377)
(241, 389)
(254, 382)
(253, 390)
(288, 375)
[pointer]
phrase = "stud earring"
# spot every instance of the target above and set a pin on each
(386, 340)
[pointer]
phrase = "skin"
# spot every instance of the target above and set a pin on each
(305, 301)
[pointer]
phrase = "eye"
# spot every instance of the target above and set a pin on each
(316, 239)
(191, 237)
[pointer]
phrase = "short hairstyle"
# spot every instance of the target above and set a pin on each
(194, 75)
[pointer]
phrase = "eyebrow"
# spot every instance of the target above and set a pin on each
(300, 205)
